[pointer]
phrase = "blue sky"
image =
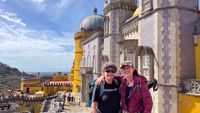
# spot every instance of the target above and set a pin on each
(37, 35)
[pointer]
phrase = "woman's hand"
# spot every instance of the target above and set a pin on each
(100, 79)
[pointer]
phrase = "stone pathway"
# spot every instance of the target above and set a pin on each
(76, 108)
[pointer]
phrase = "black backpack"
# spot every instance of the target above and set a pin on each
(91, 88)
(153, 84)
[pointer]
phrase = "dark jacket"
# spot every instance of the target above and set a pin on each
(140, 99)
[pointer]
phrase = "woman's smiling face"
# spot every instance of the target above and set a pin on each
(109, 73)
(128, 70)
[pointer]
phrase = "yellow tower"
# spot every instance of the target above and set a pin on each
(87, 27)
(65, 77)
(71, 78)
(78, 55)
(54, 77)
(197, 56)
(59, 76)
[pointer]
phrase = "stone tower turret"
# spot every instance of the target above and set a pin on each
(116, 12)
(166, 26)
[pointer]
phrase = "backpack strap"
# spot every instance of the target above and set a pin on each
(101, 89)
(137, 86)
(116, 81)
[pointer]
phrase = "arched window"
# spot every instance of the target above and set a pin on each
(146, 61)
(131, 56)
(121, 58)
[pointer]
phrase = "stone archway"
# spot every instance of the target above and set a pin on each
(145, 61)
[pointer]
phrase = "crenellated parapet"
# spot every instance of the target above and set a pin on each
(21, 99)
(58, 83)
(129, 26)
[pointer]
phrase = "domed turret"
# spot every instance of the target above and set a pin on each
(92, 22)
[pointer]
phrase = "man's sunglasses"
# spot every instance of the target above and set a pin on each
(108, 71)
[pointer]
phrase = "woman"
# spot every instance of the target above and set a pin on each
(134, 92)
(106, 96)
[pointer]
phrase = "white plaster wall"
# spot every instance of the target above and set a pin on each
(92, 49)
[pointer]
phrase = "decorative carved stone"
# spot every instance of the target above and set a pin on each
(191, 86)
(146, 6)
(195, 87)
(119, 5)
(105, 58)
(131, 26)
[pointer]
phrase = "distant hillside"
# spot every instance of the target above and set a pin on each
(10, 77)
(46, 75)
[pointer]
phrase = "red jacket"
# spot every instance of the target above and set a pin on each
(139, 99)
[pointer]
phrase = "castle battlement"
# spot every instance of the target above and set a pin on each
(22, 98)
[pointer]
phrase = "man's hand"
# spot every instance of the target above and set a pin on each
(94, 107)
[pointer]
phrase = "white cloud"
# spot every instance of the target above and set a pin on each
(60, 6)
(40, 4)
(2, 0)
(63, 3)
(38, 1)
(31, 50)
(12, 17)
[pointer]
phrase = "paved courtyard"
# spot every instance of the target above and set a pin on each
(76, 108)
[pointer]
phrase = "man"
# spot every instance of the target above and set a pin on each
(106, 96)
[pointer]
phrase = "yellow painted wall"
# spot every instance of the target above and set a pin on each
(26, 106)
(37, 81)
(51, 90)
(197, 59)
(189, 104)
(78, 56)
(33, 90)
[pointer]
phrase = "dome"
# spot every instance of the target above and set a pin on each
(92, 22)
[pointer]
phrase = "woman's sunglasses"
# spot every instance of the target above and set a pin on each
(108, 71)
